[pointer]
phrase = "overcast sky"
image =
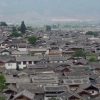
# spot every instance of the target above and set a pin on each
(50, 9)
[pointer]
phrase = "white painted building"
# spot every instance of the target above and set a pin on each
(10, 65)
(23, 61)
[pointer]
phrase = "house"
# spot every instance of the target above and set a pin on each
(17, 53)
(8, 62)
(55, 50)
(33, 88)
(37, 66)
(22, 74)
(89, 49)
(75, 47)
(11, 89)
(22, 46)
(57, 59)
(2, 64)
(63, 68)
(54, 91)
(24, 95)
(67, 51)
(91, 89)
(80, 62)
(3, 44)
(23, 61)
(11, 64)
(45, 80)
(12, 72)
(27, 86)
(68, 95)
(6, 28)
(11, 46)
(5, 52)
(39, 50)
(14, 80)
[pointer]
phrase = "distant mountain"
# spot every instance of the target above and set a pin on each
(52, 10)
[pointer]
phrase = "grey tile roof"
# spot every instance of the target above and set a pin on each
(45, 79)
(16, 52)
(27, 58)
(55, 88)
(17, 80)
(25, 93)
(75, 81)
(28, 86)
(5, 58)
(11, 87)
(76, 75)
(67, 94)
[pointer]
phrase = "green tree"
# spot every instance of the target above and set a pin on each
(48, 28)
(2, 78)
(3, 24)
(92, 33)
(15, 34)
(2, 98)
(93, 59)
(79, 53)
(2, 82)
(19, 28)
(17, 68)
(23, 27)
(32, 39)
(31, 53)
(14, 29)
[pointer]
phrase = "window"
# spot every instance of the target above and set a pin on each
(30, 62)
(24, 62)
(9, 64)
(35, 62)
(2, 44)
(19, 62)
(92, 91)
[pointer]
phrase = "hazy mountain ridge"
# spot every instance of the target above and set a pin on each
(54, 10)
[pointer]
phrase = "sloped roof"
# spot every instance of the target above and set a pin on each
(25, 93)
(27, 58)
(54, 88)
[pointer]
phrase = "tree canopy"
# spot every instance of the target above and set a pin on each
(23, 27)
(3, 24)
(32, 39)
(15, 34)
(14, 29)
(17, 68)
(2, 98)
(93, 59)
(92, 33)
(2, 82)
(79, 53)
(48, 28)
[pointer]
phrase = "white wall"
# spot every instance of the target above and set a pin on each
(5, 53)
(47, 52)
(3, 46)
(93, 92)
(22, 49)
(24, 65)
(10, 65)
